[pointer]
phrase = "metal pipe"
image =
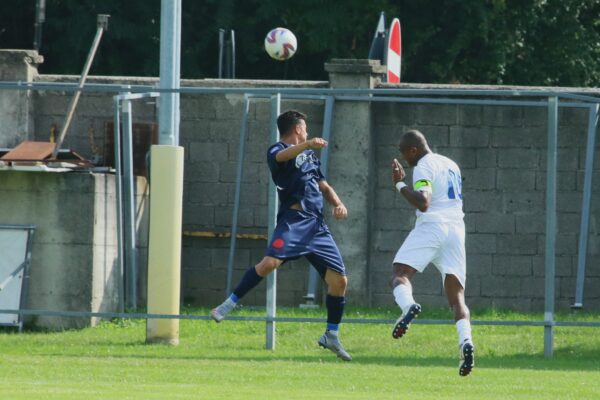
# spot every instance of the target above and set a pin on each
(136, 96)
(115, 88)
(203, 317)
(550, 226)
(40, 18)
(119, 200)
(221, 46)
(478, 102)
(238, 192)
(170, 47)
(313, 276)
(272, 222)
(584, 227)
(130, 250)
(232, 40)
(102, 24)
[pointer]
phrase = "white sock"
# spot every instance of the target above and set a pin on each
(463, 327)
(403, 296)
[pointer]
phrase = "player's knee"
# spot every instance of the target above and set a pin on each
(337, 284)
(402, 272)
(267, 265)
(398, 280)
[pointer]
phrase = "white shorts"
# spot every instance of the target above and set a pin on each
(442, 244)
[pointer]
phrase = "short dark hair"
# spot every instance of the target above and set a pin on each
(289, 119)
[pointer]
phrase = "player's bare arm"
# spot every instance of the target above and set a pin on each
(293, 151)
(339, 210)
(421, 200)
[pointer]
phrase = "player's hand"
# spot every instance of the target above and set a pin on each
(316, 143)
(339, 212)
(398, 173)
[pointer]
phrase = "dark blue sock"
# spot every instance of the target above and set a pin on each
(335, 310)
(249, 281)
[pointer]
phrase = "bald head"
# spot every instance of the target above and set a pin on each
(414, 138)
(413, 146)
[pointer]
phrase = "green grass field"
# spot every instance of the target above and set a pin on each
(228, 361)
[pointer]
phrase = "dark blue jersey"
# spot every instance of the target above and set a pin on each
(297, 180)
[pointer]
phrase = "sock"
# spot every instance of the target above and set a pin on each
(249, 281)
(227, 306)
(234, 298)
(335, 310)
(403, 296)
(463, 327)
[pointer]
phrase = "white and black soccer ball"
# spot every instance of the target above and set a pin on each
(281, 44)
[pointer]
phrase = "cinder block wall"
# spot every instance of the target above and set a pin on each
(210, 133)
(501, 151)
(73, 255)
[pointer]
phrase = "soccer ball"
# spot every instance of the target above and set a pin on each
(281, 44)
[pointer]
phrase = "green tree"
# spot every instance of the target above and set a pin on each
(524, 42)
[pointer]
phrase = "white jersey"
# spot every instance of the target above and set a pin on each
(440, 176)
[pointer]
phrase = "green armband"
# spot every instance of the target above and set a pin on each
(423, 183)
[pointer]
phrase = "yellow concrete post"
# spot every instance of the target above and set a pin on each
(164, 253)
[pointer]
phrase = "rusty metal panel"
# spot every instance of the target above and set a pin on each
(30, 151)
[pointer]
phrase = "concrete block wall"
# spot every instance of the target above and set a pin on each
(15, 106)
(502, 153)
(73, 265)
(210, 133)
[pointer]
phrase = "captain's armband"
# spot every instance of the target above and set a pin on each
(423, 185)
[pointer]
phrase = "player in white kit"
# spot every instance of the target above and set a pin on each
(438, 237)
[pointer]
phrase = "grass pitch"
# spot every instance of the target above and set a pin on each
(228, 360)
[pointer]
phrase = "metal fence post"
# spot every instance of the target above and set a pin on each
(550, 226)
(272, 218)
(129, 206)
(119, 195)
(313, 276)
(238, 192)
(584, 228)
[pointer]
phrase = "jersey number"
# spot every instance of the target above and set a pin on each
(454, 185)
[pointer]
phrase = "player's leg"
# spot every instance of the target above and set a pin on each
(252, 277)
(417, 251)
(335, 302)
(452, 264)
(327, 260)
(336, 298)
(456, 298)
(402, 290)
(285, 244)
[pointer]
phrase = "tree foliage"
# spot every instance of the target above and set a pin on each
(524, 42)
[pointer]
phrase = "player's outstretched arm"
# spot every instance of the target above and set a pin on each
(419, 199)
(293, 151)
(339, 209)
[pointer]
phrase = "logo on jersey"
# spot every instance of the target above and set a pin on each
(301, 159)
(278, 243)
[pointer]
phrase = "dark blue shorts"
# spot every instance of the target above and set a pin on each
(300, 234)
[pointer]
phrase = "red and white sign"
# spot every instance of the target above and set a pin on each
(394, 53)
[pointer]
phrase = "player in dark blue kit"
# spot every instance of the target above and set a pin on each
(300, 230)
